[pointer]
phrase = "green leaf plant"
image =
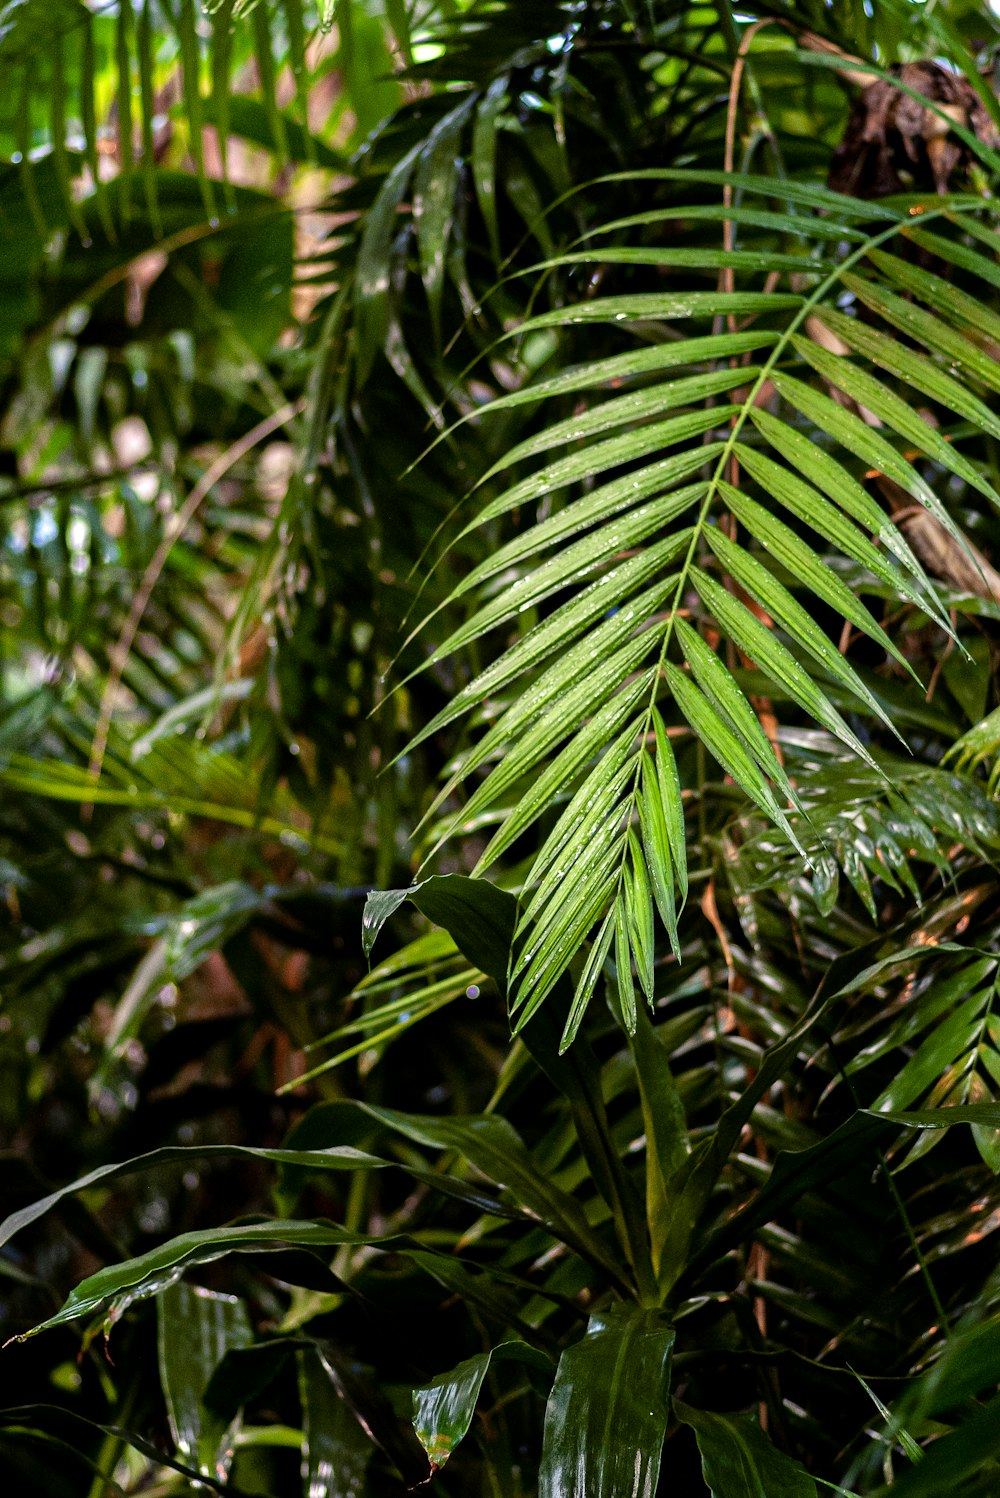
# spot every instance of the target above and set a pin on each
(664, 1158)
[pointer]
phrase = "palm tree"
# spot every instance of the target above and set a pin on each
(556, 443)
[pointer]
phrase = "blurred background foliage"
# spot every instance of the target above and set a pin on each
(259, 265)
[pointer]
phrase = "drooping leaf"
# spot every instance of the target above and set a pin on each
(607, 1414)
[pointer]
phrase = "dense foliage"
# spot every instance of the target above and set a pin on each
(504, 492)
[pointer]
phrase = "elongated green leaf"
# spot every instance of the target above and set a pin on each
(927, 329)
(484, 155)
(534, 698)
(619, 367)
(656, 306)
(639, 910)
(739, 1461)
(144, 36)
(433, 202)
(602, 729)
(955, 251)
(195, 1330)
(636, 405)
(767, 652)
(859, 438)
(573, 564)
(373, 270)
(623, 967)
(803, 564)
(588, 981)
(607, 1414)
(340, 1157)
(625, 448)
(564, 925)
(671, 800)
(807, 504)
(656, 846)
(726, 697)
(723, 744)
(893, 411)
(737, 213)
(604, 503)
(188, 37)
(443, 1409)
(494, 1147)
(823, 470)
(611, 590)
(922, 373)
(786, 190)
(940, 295)
(586, 829)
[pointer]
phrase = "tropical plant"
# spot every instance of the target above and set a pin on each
(556, 442)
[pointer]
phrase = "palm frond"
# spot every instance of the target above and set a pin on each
(663, 553)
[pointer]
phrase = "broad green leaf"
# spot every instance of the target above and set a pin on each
(607, 1414)
(443, 1409)
(739, 1461)
(494, 1147)
(336, 1449)
(153, 1272)
(195, 1330)
(665, 1127)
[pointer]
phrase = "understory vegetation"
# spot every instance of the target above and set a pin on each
(500, 748)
